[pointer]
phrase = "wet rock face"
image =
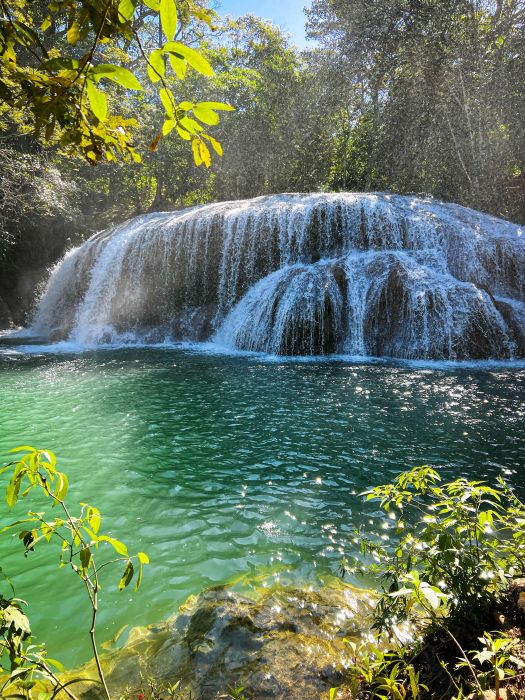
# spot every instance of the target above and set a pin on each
(6, 319)
(287, 644)
(358, 274)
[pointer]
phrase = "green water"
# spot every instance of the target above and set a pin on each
(216, 465)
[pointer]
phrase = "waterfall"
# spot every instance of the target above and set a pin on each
(360, 274)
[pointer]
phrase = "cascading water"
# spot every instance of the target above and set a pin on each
(360, 274)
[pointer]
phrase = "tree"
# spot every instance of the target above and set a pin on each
(57, 57)
(434, 95)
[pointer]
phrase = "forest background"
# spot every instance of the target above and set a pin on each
(409, 96)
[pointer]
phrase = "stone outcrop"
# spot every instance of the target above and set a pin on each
(282, 644)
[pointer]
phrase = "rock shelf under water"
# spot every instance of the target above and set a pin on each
(357, 274)
(277, 643)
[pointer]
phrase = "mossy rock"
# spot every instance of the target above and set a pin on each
(284, 643)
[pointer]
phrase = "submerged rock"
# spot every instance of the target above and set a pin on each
(284, 644)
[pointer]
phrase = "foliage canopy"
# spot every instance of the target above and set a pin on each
(58, 58)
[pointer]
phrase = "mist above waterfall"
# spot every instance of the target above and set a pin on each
(362, 274)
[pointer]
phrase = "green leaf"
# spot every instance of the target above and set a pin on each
(62, 486)
(117, 545)
(153, 4)
(194, 58)
(156, 65)
(121, 76)
(56, 664)
(143, 557)
(431, 595)
(178, 65)
(220, 106)
(126, 576)
(207, 116)
(126, 10)
(167, 99)
(168, 18)
(23, 448)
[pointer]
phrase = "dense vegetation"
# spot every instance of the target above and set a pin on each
(453, 569)
(412, 97)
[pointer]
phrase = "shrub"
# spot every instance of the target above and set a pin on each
(79, 538)
(456, 546)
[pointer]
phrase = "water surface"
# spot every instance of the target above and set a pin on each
(215, 465)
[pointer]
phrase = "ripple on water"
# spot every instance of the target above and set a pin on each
(214, 464)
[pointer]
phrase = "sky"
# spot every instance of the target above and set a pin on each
(288, 14)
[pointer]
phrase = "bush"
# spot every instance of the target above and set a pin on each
(446, 570)
(79, 539)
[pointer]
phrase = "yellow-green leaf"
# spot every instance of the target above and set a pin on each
(168, 18)
(184, 134)
(11, 493)
(126, 10)
(194, 58)
(156, 65)
(208, 116)
(94, 519)
(126, 576)
(178, 65)
(190, 125)
(216, 145)
(73, 33)
(62, 486)
(205, 154)
(196, 152)
(97, 100)
(121, 76)
(117, 545)
(50, 456)
(221, 106)
(169, 125)
(167, 99)
(85, 558)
